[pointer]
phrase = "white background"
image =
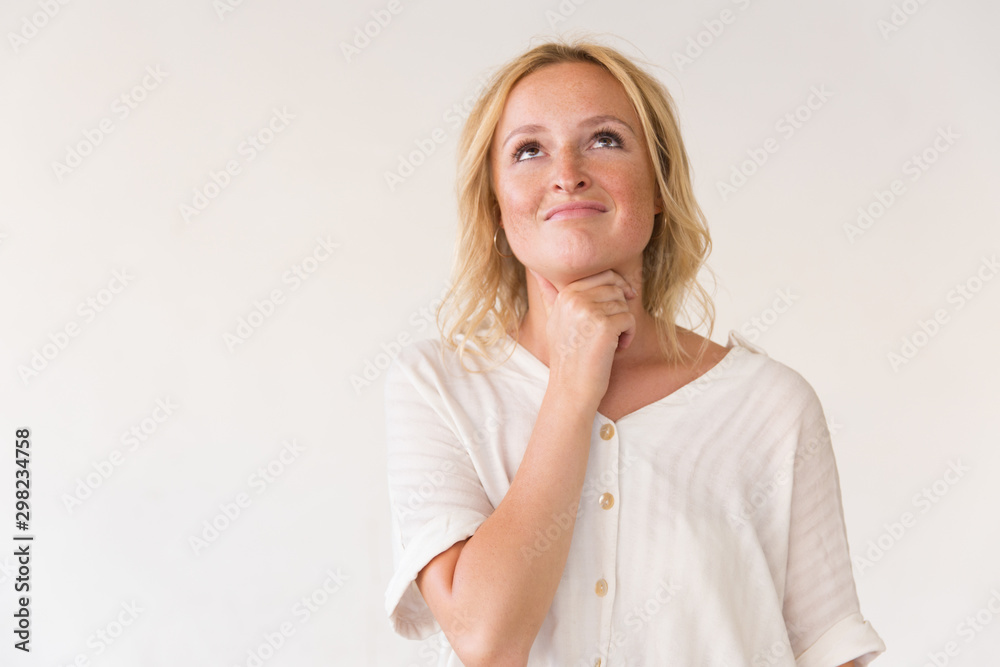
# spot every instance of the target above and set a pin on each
(162, 335)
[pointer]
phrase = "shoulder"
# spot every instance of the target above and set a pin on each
(420, 359)
(414, 375)
(421, 350)
(429, 361)
(769, 381)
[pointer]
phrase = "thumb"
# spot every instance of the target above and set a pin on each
(548, 290)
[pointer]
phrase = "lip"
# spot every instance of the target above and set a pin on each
(577, 206)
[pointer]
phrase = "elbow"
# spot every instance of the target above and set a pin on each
(499, 651)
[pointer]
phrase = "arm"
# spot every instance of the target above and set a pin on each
(821, 607)
(492, 593)
(488, 596)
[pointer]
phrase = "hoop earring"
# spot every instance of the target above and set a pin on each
(495, 244)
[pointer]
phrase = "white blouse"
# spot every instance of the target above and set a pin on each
(710, 529)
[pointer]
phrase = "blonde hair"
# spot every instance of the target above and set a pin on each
(488, 294)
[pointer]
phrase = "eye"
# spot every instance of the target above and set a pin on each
(525, 145)
(608, 133)
(604, 134)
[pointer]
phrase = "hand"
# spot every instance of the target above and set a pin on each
(586, 323)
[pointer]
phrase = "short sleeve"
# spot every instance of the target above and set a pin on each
(435, 493)
(821, 609)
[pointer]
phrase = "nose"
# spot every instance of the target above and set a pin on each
(570, 175)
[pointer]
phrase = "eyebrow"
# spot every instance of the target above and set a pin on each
(589, 122)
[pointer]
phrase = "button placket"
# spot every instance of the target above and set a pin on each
(607, 501)
(607, 487)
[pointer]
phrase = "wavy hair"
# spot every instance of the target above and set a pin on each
(488, 294)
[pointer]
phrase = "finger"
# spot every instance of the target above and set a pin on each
(604, 278)
(616, 307)
(606, 293)
(547, 289)
(625, 340)
(626, 322)
(631, 291)
(635, 283)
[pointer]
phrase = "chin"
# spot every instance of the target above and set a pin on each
(572, 256)
(571, 271)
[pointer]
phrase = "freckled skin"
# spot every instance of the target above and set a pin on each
(570, 163)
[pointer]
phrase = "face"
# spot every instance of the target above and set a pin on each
(584, 144)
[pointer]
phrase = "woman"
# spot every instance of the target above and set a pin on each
(576, 479)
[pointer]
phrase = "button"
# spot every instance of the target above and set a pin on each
(607, 431)
(607, 501)
(601, 588)
(597, 663)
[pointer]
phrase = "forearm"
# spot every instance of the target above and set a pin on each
(503, 584)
